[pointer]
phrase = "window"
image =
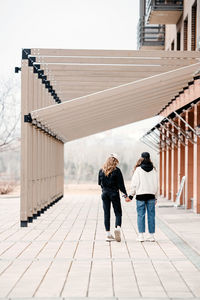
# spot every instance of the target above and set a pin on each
(193, 27)
(172, 45)
(185, 34)
(178, 41)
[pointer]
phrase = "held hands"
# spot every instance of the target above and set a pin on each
(130, 197)
(127, 199)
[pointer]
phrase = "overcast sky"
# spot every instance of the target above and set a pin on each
(70, 24)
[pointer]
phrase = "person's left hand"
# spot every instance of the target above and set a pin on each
(127, 199)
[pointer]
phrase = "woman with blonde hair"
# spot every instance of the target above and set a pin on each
(144, 185)
(111, 181)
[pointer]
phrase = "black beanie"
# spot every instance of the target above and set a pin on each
(145, 155)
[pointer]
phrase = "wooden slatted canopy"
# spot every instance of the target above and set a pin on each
(75, 73)
(69, 94)
(103, 89)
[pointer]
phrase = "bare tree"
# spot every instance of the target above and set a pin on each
(9, 114)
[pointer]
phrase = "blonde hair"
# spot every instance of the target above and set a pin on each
(110, 165)
(139, 162)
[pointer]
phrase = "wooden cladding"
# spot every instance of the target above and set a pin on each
(183, 157)
(42, 155)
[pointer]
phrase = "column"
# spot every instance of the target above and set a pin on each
(175, 168)
(160, 170)
(181, 159)
(24, 145)
(163, 164)
(196, 163)
(168, 165)
(189, 117)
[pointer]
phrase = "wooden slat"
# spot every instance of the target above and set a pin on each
(114, 61)
(113, 53)
(136, 68)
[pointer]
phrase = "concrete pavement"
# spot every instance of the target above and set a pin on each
(63, 254)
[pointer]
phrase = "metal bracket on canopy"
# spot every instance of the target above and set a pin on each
(156, 138)
(152, 147)
(148, 138)
(181, 130)
(156, 135)
(163, 141)
(166, 137)
(173, 136)
(186, 123)
(149, 144)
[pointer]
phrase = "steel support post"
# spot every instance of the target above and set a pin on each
(196, 163)
(163, 164)
(181, 158)
(168, 167)
(189, 117)
(172, 164)
(160, 171)
(175, 167)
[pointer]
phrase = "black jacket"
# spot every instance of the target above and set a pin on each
(114, 181)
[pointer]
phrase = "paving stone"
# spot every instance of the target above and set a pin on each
(180, 295)
(93, 298)
(77, 281)
(64, 255)
(51, 287)
(35, 298)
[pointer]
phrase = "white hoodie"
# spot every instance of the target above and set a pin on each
(144, 182)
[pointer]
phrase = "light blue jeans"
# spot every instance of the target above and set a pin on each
(142, 206)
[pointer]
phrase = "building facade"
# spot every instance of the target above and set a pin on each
(178, 133)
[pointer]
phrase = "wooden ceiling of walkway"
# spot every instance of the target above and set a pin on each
(103, 89)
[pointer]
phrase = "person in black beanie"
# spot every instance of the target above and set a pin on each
(111, 181)
(144, 185)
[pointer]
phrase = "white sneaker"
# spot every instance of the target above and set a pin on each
(140, 237)
(110, 238)
(151, 238)
(117, 233)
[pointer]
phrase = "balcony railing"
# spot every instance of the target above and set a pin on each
(150, 35)
(163, 11)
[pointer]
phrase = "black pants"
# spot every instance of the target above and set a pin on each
(108, 197)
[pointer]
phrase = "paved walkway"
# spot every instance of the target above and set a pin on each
(63, 254)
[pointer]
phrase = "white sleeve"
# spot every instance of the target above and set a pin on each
(156, 183)
(134, 182)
